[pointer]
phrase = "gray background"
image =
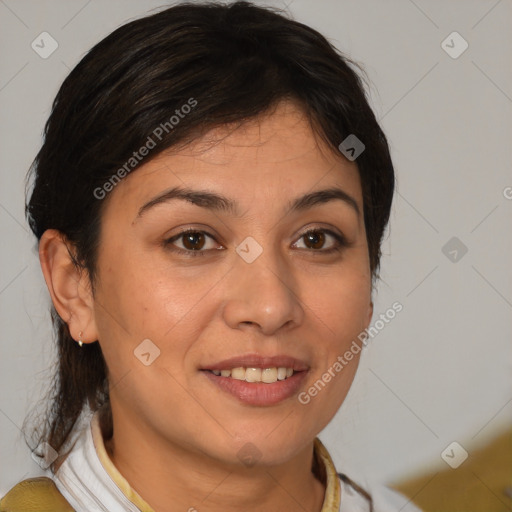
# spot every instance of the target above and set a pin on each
(441, 370)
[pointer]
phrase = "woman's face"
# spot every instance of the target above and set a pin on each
(247, 283)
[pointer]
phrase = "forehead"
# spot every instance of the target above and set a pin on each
(276, 155)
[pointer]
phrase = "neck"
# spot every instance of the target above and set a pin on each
(163, 473)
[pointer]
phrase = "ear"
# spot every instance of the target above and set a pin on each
(370, 313)
(69, 286)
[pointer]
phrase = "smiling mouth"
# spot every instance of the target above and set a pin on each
(260, 387)
(250, 374)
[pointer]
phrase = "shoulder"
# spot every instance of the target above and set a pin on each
(34, 495)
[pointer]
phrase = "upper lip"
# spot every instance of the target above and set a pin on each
(258, 361)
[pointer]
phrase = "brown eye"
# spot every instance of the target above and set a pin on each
(314, 239)
(193, 241)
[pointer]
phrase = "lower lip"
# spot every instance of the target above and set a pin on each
(259, 393)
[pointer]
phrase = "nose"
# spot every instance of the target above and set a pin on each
(263, 295)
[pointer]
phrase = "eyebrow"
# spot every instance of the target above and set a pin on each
(218, 202)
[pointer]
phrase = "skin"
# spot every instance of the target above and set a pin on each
(176, 435)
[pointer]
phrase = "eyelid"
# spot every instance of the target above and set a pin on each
(324, 229)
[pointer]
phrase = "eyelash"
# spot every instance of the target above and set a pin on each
(342, 242)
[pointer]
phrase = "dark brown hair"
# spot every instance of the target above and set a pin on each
(235, 61)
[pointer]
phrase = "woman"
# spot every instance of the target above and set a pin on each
(209, 203)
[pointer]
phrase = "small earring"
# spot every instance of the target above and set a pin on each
(80, 342)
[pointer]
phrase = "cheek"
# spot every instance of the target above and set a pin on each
(340, 311)
(143, 297)
(144, 294)
(341, 301)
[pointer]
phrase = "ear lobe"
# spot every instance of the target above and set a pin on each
(69, 286)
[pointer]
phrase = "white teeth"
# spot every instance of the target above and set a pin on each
(267, 375)
(238, 373)
(253, 375)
